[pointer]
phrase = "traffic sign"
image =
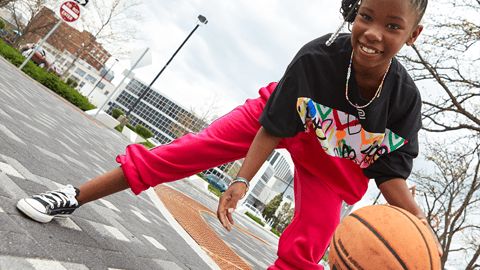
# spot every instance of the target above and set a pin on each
(69, 11)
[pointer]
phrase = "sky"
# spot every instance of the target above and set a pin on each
(245, 45)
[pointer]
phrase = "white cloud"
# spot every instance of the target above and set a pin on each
(245, 45)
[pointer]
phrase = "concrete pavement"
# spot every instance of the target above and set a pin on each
(45, 143)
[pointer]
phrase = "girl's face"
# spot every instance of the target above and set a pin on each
(380, 30)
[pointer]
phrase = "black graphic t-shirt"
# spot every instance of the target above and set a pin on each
(381, 138)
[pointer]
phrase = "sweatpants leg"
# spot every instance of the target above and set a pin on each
(225, 140)
(317, 214)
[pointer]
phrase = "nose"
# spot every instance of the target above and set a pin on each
(373, 33)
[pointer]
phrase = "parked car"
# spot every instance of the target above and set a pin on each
(41, 58)
(216, 182)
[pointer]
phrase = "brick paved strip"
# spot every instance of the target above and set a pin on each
(187, 213)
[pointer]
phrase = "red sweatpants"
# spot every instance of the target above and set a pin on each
(321, 181)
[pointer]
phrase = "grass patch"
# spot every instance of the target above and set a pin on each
(276, 232)
(148, 144)
(214, 190)
(256, 219)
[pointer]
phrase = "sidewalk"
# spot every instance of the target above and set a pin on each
(47, 143)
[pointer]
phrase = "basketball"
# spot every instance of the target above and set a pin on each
(383, 237)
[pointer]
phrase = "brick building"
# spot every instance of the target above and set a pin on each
(67, 38)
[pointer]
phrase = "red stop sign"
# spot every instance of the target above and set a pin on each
(70, 11)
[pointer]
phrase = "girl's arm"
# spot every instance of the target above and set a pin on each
(262, 146)
(396, 193)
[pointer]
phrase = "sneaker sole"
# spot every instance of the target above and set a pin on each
(28, 210)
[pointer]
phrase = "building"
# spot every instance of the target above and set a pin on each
(67, 38)
(273, 178)
(86, 76)
(166, 118)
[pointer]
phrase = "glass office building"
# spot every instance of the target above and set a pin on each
(155, 111)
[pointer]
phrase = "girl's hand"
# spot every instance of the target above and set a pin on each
(439, 247)
(396, 193)
(228, 203)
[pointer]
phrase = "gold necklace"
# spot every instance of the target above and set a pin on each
(377, 94)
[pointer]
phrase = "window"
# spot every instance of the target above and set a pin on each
(80, 72)
(106, 93)
(91, 79)
(101, 85)
(82, 84)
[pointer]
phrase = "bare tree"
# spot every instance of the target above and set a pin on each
(448, 54)
(451, 198)
(197, 119)
(445, 60)
(4, 3)
(110, 23)
(23, 13)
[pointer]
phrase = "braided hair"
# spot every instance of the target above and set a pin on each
(349, 9)
(349, 12)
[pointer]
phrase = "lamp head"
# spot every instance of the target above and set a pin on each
(202, 19)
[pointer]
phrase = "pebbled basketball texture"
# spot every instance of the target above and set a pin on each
(383, 237)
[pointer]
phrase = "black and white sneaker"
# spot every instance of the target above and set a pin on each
(57, 203)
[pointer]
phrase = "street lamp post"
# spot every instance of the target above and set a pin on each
(202, 20)
(116, 60)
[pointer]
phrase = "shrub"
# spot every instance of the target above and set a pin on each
(119, 128)
(256, 219)
(130, 126)
(2, 24)
(71, 83)
(117, 112)
(49, 80)
(143, 131)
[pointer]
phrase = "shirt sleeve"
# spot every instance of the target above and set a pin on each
(399, 163)
(280, 117)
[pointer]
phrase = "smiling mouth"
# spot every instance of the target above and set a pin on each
(368, 50)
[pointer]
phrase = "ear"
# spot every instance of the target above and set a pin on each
(414, 35)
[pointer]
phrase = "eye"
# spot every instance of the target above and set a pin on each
(365, 16)
(393, 26)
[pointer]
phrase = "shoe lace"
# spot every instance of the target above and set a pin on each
(59, 198)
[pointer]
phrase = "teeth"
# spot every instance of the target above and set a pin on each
(367, 50)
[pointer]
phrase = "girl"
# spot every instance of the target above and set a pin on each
(364, 113)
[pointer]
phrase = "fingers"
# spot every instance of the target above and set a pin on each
(439, 247)
(229, 215)
(228, 204)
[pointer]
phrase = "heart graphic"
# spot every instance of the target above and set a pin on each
(324, 111)
(395, 141)
(342, 126)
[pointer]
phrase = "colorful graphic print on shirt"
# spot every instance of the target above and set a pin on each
(341, 134)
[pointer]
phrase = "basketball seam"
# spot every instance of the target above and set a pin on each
(423, 237)
(381, 239)
(338, 253)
